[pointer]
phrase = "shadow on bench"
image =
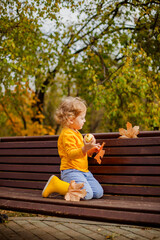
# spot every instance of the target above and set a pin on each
(129, 174)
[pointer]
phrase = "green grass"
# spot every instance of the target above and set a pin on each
(18, 214)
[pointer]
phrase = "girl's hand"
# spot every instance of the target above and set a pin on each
(89, 145)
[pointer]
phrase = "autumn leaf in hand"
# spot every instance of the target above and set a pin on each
(75, 192)
(130, 132)
(100, 154)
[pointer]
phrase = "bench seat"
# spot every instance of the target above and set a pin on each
(121, 209)
(129, 174)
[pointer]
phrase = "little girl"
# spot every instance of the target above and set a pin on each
(73, 149)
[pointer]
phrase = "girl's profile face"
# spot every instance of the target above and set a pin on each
(78, 122)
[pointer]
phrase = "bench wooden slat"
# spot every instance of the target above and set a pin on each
(23, 184)
(138, 160)
(30, 145)
(26, 175)
(38, 152)
(108, 135)
(29, 168)
(83, 212)
(108, 189)
(115, 135)
(124, 160)
(25, 192)
(141, 170)
(138, 180)
(31, 160)
(29, 138)
(131, 190)
(106, 203)
(130, 142)
(116, 179)
(128, 160)
(56, 196)
(139, 150)
(110, 142)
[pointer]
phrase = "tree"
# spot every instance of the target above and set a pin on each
(19, 117)
(23, 45)
(91, 52)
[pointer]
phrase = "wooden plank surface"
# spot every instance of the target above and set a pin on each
(109, 135)
(127, 160)
(105, 203)
(112, 135)
(138, 150)
(130, 169)
(150, 141)
(131, 190)
(26, 176)
(29, 138)
(108, 188)
(31, 159)
(25, 191)
(106, 197)
(131, 180)
(123, 170)
(83, 212)
(22, 184)
(38, 152)
(30, 145)
(138, 170)
(29, 168)
(123, 160)
(111, 142)
(115, 179)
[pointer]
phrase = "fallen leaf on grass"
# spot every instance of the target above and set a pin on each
(109, 237)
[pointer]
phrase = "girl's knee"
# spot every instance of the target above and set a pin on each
(99, 193)
(89, 195)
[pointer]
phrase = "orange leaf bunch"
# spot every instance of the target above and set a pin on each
(131, 132)
(75, 192)
(100, 154)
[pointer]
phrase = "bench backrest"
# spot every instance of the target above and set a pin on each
(130, 166)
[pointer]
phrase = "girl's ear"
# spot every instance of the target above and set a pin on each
(70, 120)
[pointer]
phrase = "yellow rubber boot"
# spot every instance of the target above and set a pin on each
(55, 185)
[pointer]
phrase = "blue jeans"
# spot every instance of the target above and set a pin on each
(92, 186)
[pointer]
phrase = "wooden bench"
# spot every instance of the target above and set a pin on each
(129, 174)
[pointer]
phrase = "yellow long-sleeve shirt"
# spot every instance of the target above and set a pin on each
(70, 145)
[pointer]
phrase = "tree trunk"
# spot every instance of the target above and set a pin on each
(40, 94)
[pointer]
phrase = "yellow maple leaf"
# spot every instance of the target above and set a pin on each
(131, 132)
(75, 192)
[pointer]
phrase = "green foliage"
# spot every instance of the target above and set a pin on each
(107, 52)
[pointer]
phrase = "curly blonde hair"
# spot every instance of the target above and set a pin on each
(70, 107)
